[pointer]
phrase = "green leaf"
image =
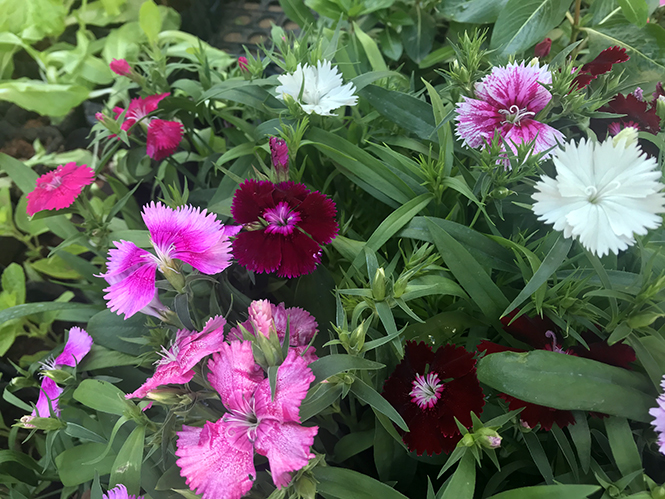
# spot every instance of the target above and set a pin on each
(636, 11)
(523, 23)
(539, 457)
(22, 176)
(418, 37)
(13, 281)
(47, 99)
(645, 46)
(567, 382)
(72, 468)
(102, 396)
(550, 264)
(319, 399)
(353, 443)
(472, 11)
(110, 330)
(35, 308)
(341, 483)
(150, 20)
(370, 396)
(78, 431)
(463, 481)
(468, 272)
(330, 365)
(549, 492)
(581, 436)
(371, 49)
(297, 11)
(624, 450)
(407, 111)
(126, 468)
(101, 358)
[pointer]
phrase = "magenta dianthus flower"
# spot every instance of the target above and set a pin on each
(78, 345)
(186, 233)
(138, 109)
(287, 224)
(120, 67)
(177, 362)
(218, 459)
(507, 101)
(264, 317)
(163, 138)
(59, 188)
(659, 422)
(119, 492)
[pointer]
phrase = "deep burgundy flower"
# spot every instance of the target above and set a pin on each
(600, 65)
(429, 390)
(638, 113)
(286, 225)
(543, 48)
(541, 334)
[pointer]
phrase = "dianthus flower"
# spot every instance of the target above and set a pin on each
(540, 334)
(138, 109)
(78, 345)
(659, 422)
(264, 317)
(120, 67)
(603, 194)
(119, 492)
(163, 138)
(59, 188)
(600, 65)
(218, 459)
(431, 389)
(287, 224)
(243, 63)
(317, 89)
(638, 113)
(506, 102)
(186, 233)
(176, 364)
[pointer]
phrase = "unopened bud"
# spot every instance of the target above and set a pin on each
(400, 286)
(625, 137)
(57, 375)
(279, 153)
(543, 48)
(660, 107)
(379, 284)
(46, 424)
(467, 440)
(489, 438)
(658, 493)
(170, 396)
(306, 487)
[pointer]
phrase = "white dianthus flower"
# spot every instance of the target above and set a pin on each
(603, 194)
(321, 87)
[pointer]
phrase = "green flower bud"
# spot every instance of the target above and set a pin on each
(306, 487)
(625, 137)
(57, 375)
(46, 424)
(379, 285)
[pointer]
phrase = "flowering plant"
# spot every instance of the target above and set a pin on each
(352, 278)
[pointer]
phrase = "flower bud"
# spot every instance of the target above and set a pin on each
(625, 137)
(489, 438)
(305, 487)
(46, 424)
(658, 493)
(379, 285)
(642, 320)
(242, 64)
(170, 396)
(400, 286)
(660, 107)
(357, 338)
(279, 153)
(120, 67)
(467, 440)
(57, 375)
(543, 48)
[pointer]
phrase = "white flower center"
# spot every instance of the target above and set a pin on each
(168, 355)
(244, 420)
(48, 365)
(514, 114)
(595, 196)
(426, 390)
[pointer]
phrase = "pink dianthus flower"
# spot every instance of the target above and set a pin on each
(186, 233)
(78, 345)
(120, 67)
(287, 224)
(176, 364)
(138, 109)
(264, 317)
(218, 459)
(507, 101)
(119, 492)
(163, 138)
(59, 188)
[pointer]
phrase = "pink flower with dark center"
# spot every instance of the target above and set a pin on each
(242, 63)
(287, 224)
(120, 67)
(432, 389)
(186, 234)
(176, 364)
(264, 317)
(119, 492)
(78, 345)
(218, 459)
(59, 188)
(138, 109)
(163, 138)
(507, 101)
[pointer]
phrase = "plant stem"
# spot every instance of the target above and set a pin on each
(576, 22)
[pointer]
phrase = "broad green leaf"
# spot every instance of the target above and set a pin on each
(139, 237)
(297, 11)
(523, 23)
(71, 463)
(549, 492)
(581, 436)
(126, 468)
(330, 365)
(463, 481)
(353, 443)
(47, 99)
(468, 272)
(472, 11)
(567, 382)
(78, 431)
(56, 267)
(636, 11)
(150, 20)
(645, 46)
(22, 176)
(102, 396)
(624, 450)
(371, 49)
(418, 37)
(35, 308)
(341, 483)
(370, 396)
(319, 399)
(101, 358)
(13, 281)
(407, 111)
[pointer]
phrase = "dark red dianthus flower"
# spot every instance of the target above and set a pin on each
(429, 390)
(286, 225)
(600, 65)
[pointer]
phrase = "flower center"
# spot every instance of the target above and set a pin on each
(514, 114)
(52, 184)
(48, 365)
(244, 420)
(554, 347)
(595, 196)
(281, 219)
(168, 355)
(426, 390)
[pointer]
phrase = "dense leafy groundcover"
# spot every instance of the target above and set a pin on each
(415, 251)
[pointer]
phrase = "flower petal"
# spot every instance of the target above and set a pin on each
(257, 251)
(128, 295)
(78, 345)
(48, 391)
(234, 374)
(163, 138)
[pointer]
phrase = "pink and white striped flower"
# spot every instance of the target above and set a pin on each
(186, 234)
(218, 459)
(176, 364)
(507, 101)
